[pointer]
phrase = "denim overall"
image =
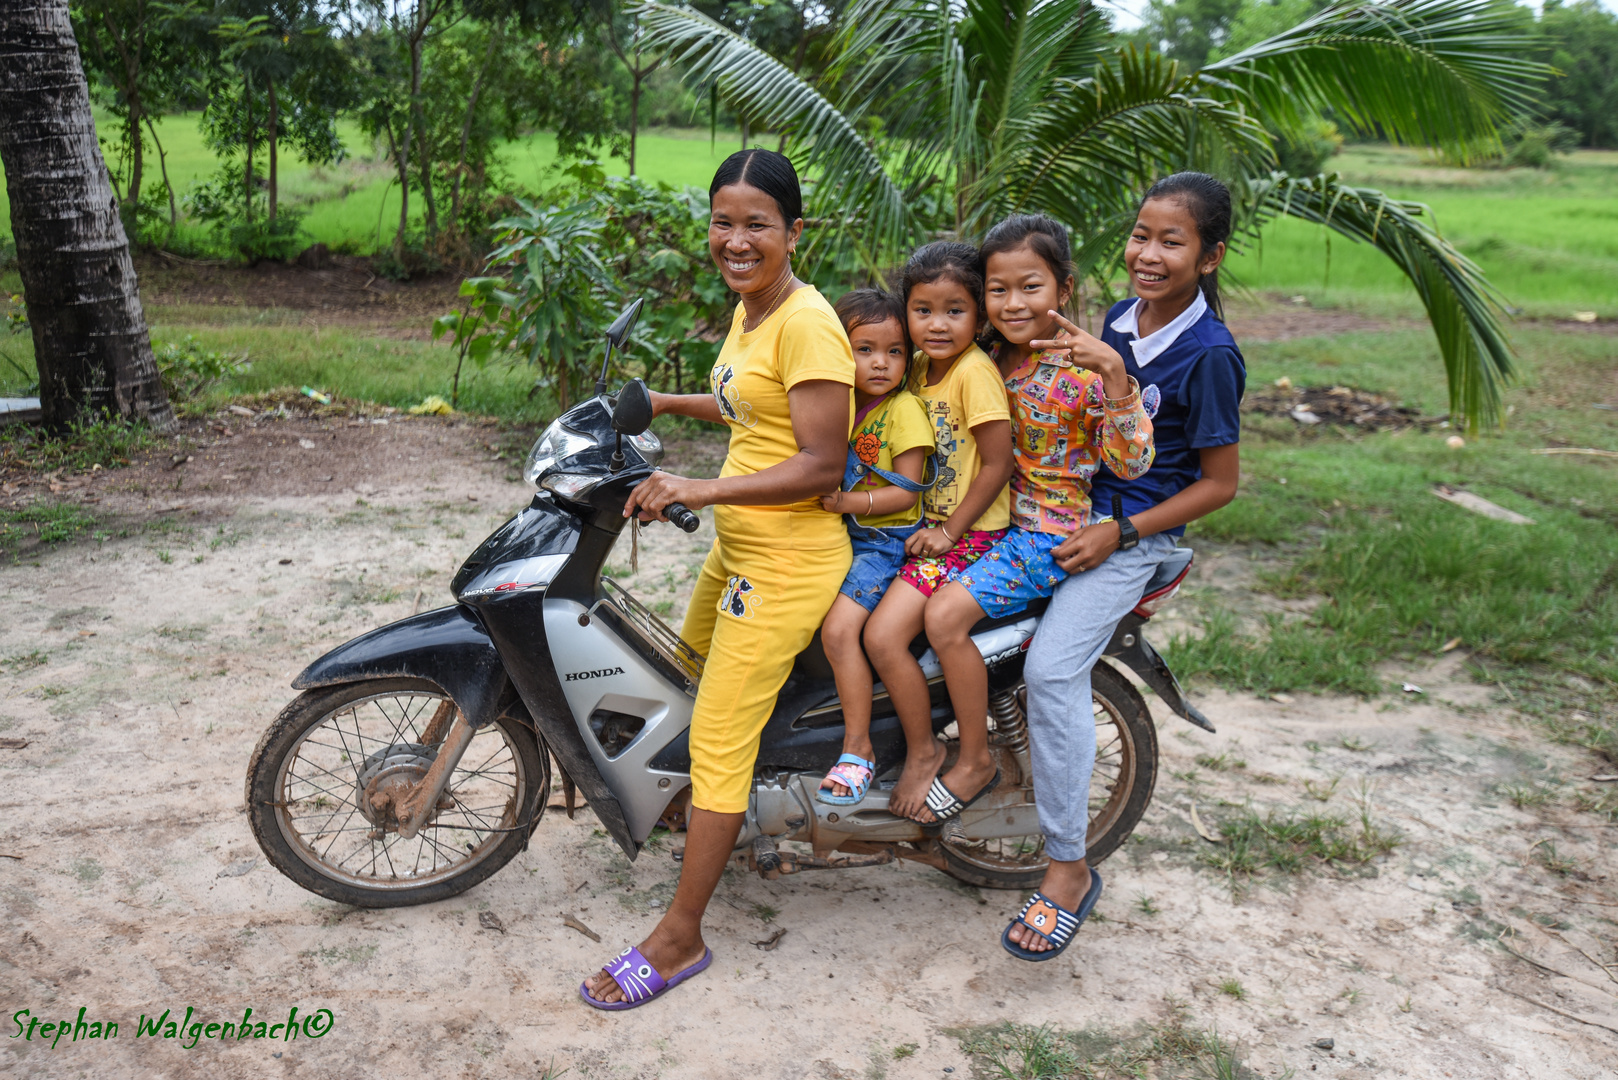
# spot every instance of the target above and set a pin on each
(878, 553)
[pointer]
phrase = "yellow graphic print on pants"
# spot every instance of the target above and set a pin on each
(754, 609)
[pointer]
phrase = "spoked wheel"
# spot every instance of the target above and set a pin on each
(322, 783)
(1120, 788)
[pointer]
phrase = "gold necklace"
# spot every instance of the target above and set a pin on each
(774, 302)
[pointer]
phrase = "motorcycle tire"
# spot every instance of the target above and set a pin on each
(1116, 819)
(273, 801)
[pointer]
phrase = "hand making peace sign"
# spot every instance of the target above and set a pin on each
(1088, 352)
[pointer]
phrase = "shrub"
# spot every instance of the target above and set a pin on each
(187, 369)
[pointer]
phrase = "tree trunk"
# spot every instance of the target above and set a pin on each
(634, 109)
(163, 164)
(418, 30)
(495, 34)
(274, 192)
(90, 339)
(247, 138)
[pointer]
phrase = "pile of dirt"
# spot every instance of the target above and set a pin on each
(1311, 406)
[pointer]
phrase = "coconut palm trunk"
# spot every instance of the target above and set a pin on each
(90, 339)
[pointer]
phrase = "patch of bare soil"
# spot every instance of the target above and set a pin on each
(140, 671)
(344, 289)
(1309, 406)
(1279, 318)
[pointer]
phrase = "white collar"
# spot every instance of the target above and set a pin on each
(1153, 345)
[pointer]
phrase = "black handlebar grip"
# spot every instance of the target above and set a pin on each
(681, 515)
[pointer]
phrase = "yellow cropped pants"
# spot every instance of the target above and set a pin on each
(754, 609)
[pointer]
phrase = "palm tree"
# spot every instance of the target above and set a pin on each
(90, 339)
(955, 113)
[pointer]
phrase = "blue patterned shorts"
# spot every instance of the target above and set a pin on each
(1014, 573)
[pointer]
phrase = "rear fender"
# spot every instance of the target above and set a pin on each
(447, 646)
(1129, 645)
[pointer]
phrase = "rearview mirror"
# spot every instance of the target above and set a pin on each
(633, 413)
(619, 331)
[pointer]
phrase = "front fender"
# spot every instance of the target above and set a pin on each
(447, 646)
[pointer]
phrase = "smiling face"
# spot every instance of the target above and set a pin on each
(1020, 290)
(1165, 256)
(943, 318)
(879, 358)
(749, 241)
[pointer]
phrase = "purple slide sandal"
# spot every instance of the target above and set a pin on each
(639, 981)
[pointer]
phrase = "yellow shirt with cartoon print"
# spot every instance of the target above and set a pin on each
(801, 341)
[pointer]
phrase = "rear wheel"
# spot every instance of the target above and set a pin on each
(1120, 788)
(319, 774)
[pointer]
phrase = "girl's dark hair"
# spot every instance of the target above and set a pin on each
(767, 171)
(943, 259)
(863, 307)
(866, 307)
(1208, 201)
(1041, 235)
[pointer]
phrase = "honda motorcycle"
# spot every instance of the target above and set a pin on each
(417, 761)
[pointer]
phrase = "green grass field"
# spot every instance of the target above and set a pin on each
(351, 204)
(1548, 239)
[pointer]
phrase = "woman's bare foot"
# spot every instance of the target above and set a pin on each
(668, 953)
(1066, 884)
(910, 793)
(965, 780)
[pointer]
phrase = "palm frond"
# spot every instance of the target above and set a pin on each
(847, 171)
(1430, 72)
(1463, 308)
(1098, 142)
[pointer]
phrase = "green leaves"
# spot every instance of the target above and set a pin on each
(1443, 73)
(1462, 306)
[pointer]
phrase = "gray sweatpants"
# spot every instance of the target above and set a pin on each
(1061, 724)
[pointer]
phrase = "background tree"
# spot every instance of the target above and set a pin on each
(134, 50)
(1583, 47)
(1013, 105)
(90, 339)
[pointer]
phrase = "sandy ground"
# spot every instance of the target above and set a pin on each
(141, 669)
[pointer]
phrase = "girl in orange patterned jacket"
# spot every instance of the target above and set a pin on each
(1074, 409)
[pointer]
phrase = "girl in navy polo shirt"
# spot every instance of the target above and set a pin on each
(1175, 345)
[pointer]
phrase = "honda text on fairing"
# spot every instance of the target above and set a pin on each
(416, 762)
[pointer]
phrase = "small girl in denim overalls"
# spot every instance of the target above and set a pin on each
(891, 444)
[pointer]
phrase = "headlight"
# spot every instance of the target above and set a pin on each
(557, 443)
(569, 485)
(648, 446)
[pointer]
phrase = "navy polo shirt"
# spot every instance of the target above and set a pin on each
(1192, 391)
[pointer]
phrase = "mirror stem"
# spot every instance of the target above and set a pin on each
(601, 383)
(617, 463)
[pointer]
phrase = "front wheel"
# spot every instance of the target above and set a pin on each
(1120, 788)
(314, 780)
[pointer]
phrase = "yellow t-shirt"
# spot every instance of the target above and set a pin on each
(898, 424)
(801, 341)
(970, 393)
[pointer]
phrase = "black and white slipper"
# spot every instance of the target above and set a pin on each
(1054, 923)
(945, 804)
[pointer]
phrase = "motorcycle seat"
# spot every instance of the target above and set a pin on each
(812, 661)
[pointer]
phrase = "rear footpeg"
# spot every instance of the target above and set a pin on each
(769, 862)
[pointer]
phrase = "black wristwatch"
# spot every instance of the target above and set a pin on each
(1127, 536)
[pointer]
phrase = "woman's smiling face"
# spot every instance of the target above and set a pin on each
(1164, 254)
(749, 241)
(943, 318)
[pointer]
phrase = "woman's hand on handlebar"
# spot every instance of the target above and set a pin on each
(651, 496)
(1088, 548)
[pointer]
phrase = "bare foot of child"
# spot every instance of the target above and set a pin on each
(910, 793)
(965, 780)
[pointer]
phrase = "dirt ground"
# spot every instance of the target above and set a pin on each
(140, 667)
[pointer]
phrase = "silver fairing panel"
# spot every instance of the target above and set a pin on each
(608, 674)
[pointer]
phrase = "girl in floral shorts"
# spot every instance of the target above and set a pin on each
(966, 510)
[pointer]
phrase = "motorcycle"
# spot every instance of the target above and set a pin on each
(416, 762)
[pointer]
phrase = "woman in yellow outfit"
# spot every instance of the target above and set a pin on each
(783, 383)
